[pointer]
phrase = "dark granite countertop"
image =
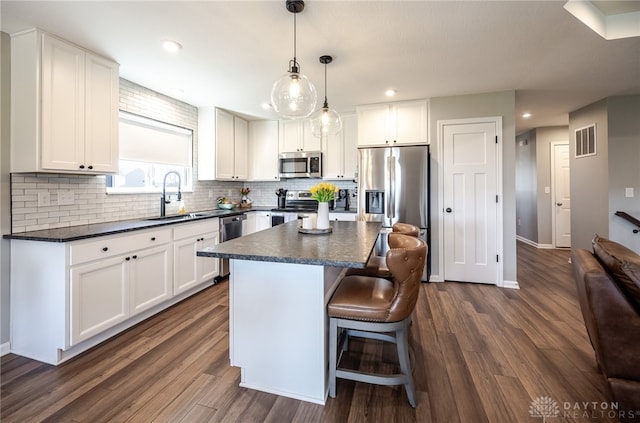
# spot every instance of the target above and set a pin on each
(75, 233)
(349, 245)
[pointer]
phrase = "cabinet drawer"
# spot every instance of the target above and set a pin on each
(108, 246)
(193, 229)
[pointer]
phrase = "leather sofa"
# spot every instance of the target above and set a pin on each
(608, 283)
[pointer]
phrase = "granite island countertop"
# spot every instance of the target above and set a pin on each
(349, 245)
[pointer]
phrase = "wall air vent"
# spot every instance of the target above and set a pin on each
(586, 141)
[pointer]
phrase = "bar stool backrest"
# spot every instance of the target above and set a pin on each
(406, 229)
(405, 260)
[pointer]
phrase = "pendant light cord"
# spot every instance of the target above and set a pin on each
(326, 105)
(293, 64)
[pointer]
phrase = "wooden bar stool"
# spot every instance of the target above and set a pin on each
(378, 308)
(377, 265)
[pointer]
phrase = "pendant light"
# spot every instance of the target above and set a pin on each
(325, 121)
(293, 95)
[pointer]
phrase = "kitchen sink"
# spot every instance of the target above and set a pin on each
(178, 217)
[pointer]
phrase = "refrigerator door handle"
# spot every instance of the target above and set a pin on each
(392, 187)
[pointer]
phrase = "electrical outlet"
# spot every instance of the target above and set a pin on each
(547, 190)
(628, 192)
(66, 198)
(44, 199)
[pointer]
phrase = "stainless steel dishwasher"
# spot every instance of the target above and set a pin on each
(230, 228)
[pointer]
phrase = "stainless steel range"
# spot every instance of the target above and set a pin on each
(296, 203)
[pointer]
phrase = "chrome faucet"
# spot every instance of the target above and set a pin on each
(163, 199)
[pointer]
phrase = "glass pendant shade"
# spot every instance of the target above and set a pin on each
(294, 96)
(325, 121)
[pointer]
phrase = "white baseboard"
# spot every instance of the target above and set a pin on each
(5, 349)
(510, 284)
(546, 246)
(534, 244)
(436, 278)
(526, 241)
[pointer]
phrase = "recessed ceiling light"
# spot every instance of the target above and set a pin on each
(390, 92)
(526, 115)
(171, 46)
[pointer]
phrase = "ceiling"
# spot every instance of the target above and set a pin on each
(233, 51)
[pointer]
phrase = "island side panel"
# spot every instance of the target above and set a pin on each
(277, 328)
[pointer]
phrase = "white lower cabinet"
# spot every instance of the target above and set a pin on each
(256, 221)
(107, 290)
(99, 297)
(190, 270)
(249, 224)
(150, 278)
(83, 292)
(263, 220)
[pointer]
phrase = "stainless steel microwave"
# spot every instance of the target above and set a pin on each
(301, 164)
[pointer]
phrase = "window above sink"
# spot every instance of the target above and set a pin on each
(148, 150)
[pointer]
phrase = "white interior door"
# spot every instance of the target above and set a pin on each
(561, 194)
(470, 208)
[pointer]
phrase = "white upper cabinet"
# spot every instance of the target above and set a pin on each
(393, 123)
(232, 135)
(65, 107)
(263, 150)
(295, 135)
(222, 146)
(340, 152)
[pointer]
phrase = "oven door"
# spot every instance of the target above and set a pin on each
(278, 218)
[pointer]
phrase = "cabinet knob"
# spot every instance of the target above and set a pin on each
(394, 141)
(153, 238)
(81, 166)
(105, 249)
(127, 258)
(448, 210)
(135, 257)
(90, 167)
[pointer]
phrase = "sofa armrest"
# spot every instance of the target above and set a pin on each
(583, 262)
(617, 327)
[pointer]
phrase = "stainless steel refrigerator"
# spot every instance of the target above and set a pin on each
(393, 186)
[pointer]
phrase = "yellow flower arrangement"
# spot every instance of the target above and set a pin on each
(323, 192)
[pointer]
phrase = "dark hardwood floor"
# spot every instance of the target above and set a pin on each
(482, 354)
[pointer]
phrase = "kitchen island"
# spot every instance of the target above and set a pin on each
(280, 283)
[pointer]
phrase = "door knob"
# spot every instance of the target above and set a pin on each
(558, 204)
(448, 210)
